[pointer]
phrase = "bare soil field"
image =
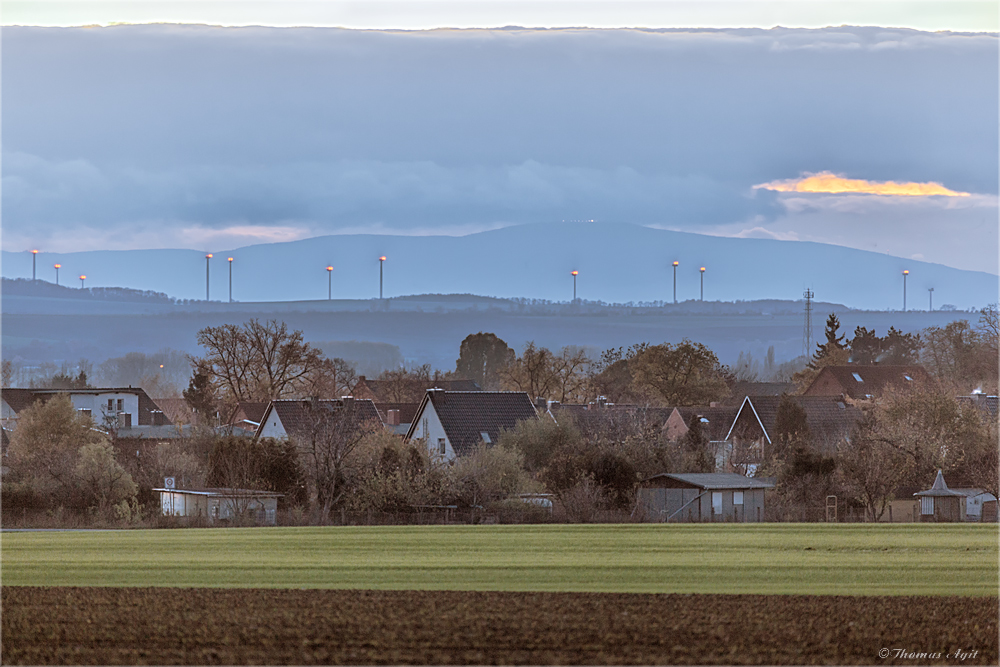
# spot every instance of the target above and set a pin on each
(57, 625)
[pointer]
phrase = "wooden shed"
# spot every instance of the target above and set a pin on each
(939, 503)
(708, 497)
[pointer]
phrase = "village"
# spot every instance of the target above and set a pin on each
(893, 429)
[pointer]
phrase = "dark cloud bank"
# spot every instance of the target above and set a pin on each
(134, 129)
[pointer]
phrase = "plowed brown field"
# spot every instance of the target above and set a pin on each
(255, 626)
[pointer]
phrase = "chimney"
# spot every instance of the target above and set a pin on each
(392, 418)
(713, 404)
(540, 403)
(602, 401)
(314, 403)
(348, 401)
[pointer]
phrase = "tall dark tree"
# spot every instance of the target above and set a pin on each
(687, 373)
(791, 426)
(899, 348)
(834, 342)
(866, 346)
(201, 396)
(482, 357)
(697, 456)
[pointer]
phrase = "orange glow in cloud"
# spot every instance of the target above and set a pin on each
(828, 182)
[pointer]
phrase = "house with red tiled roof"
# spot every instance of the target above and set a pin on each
(453, 423)
(861, 382)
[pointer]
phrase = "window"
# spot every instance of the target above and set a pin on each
(908, 378)
(737, 497)
(486, 437)
(857, 377)
(927, 505)
(111, 404)
(442, 446)
(716, 502)
(121, 404)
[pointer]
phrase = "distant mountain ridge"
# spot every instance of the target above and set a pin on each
(617, 262)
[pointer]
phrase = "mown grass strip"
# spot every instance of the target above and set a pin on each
(855, 559)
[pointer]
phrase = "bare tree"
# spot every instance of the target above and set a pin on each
(334, 430)
(872, 466)
(256, 361)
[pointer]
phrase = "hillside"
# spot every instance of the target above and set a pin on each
(618, 263)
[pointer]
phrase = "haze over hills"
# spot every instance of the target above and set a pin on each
(617, 263)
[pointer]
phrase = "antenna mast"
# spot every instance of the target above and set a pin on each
(807, 329)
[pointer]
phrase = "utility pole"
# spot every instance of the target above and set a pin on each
(230, 280)
(57, 266)
(329, 287)
(807, 329)
(34, 254)
(702, 283)
(574, 273)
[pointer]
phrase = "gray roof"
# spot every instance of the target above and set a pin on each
(298, 415)
(466, 415)
(939, 489)
(717, 480)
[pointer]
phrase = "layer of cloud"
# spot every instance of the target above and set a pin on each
(956, 231)
(184, 136)
(829, 182)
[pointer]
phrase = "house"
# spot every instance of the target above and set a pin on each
(128, 411)
(296, 417)
(452, 423)
(715, 423)
(698, 497)
(397, 417)
(941, 504)
(864, 382)
(985, 404)
(245, 418)
(829, 419)
(742, 388)
(975, 500)
(215, 504)
(177, 410)
(405, 390)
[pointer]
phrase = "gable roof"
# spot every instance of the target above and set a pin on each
(719, 419)
(407, 411)
(25, 397)
(176, 410)
(741, 389)
(466, 415)
(388, 391)
(252, 411)
(861, 381)
(714, 480)
(298, 415)
(828, 417)
(19, 399)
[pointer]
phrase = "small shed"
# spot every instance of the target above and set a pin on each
(221, 505)
(709, 497)
(939, 503)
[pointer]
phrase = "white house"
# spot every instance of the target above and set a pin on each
(128, 408)
(284, 418)
(452, 423)
(220, 504)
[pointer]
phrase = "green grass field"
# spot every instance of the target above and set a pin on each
(845, 559)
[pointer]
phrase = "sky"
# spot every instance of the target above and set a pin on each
(192, 136)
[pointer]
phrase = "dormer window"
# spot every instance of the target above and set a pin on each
(857, 377)
(486, 437)
(908, 378)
